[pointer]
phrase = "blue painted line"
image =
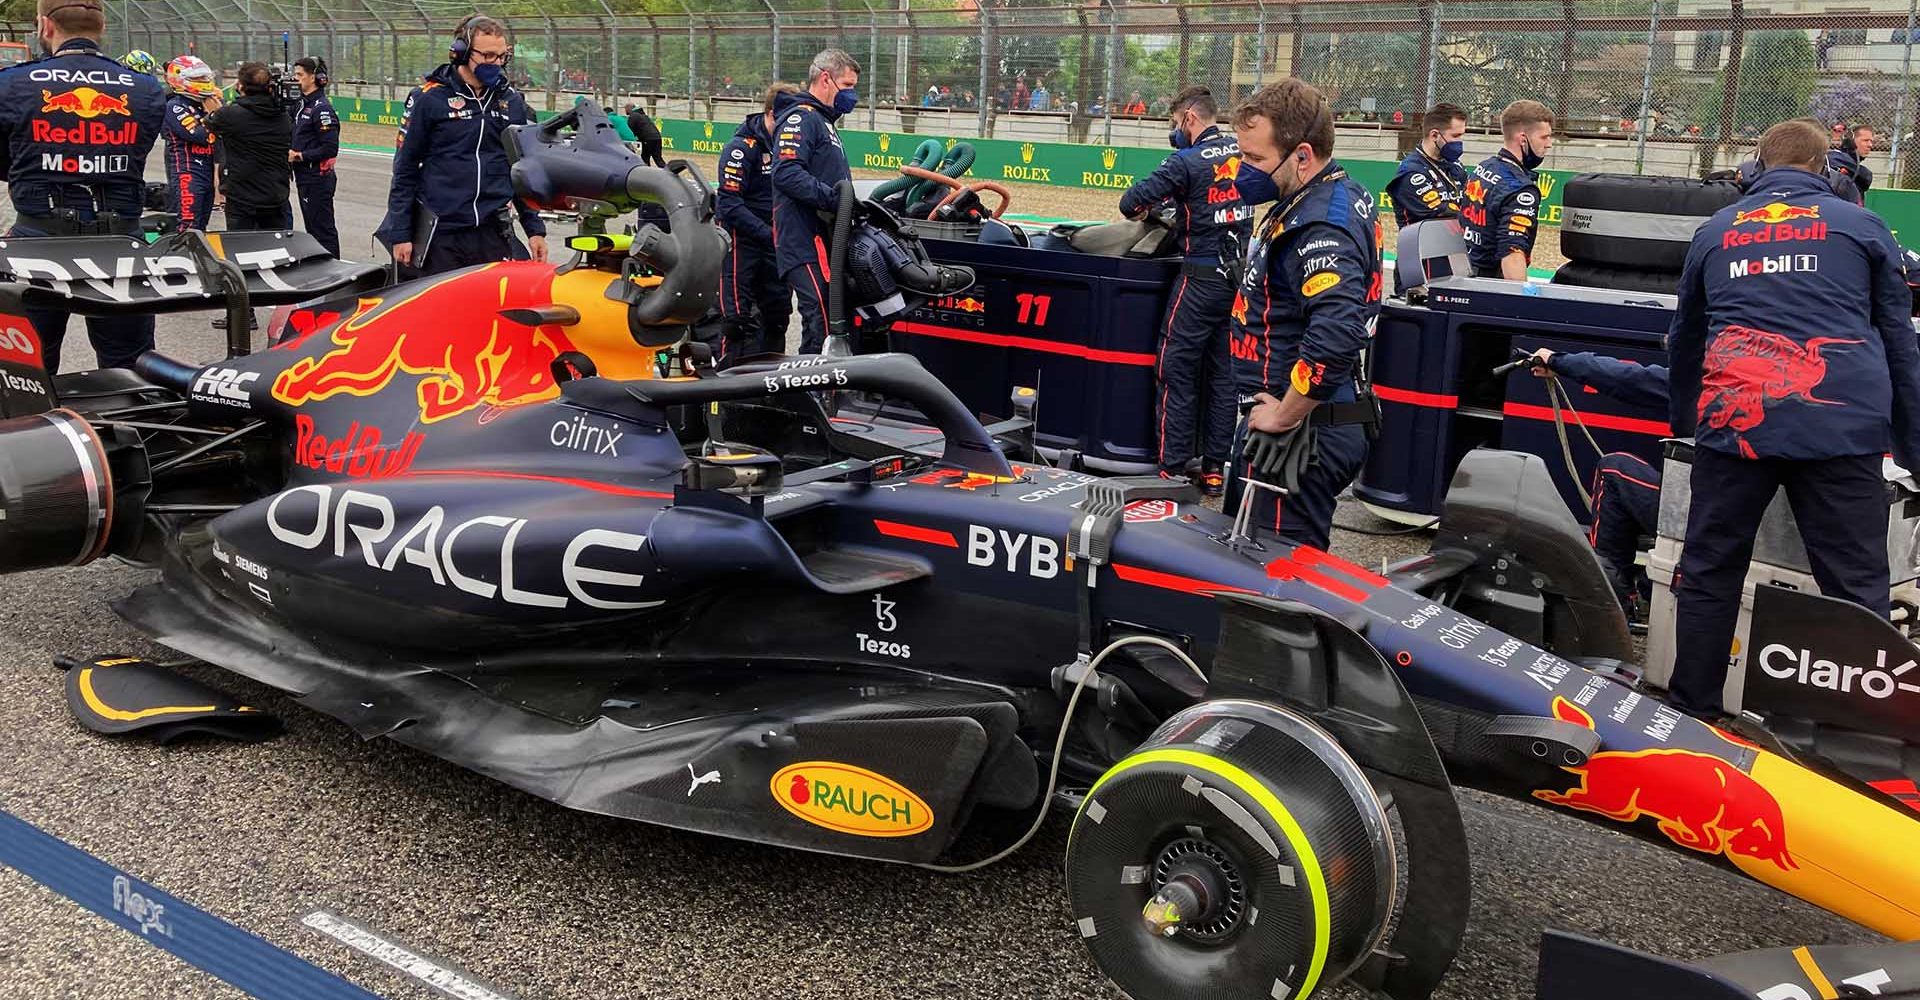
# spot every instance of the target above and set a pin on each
(195, 936)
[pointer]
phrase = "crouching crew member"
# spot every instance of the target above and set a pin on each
(1431, 182)
(1786, 374)
(807, 162)
(754, 299)
(189, 144)
(451, 204)
(1626, 489)
(1501, 215)
(1194, 369)
(75, 131)
(1305, 311)
(316, 144)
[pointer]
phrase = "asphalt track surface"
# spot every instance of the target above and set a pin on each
(540, 902)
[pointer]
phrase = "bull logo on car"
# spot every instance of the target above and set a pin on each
(466, 357)
(1701, 802)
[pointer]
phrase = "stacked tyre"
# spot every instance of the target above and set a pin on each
(1631, 232)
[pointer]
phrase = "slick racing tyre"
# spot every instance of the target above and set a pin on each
(1239, 853)
(1625, 279)
(1631, 221)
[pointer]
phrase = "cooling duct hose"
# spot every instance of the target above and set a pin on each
(955, 164)
(837, 262)
(56, 492)
(925, 157)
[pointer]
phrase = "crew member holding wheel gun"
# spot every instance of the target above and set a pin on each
(1304, 314)
(75, 131)
(451, 204)
(1787, 375)
(1213, 224)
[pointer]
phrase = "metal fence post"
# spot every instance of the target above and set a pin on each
(986, 30)
(900, 52)
(776, 38)
(1259, 47)
(1433, 55)
(873, 60)
(1113, 60)
(1906, 88)
(1646, 91)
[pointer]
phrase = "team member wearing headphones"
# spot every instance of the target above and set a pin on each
(316, 142)
(451, 204)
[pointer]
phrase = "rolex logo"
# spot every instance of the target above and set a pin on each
(885, 141)
(1026, 152)
(1546, 185)
(1109, 157)
(709, 130)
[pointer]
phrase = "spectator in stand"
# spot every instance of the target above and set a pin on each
(967, 102)
(1135, 106)
(1822, 46)
(1021, 95)
(1042, 100)
(1098, 108)
(931, 97)
(1001, 97)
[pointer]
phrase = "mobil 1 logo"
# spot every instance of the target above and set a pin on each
(1831, 661)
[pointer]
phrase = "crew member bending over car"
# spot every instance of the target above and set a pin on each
(753, 298)
(1431, 182)
(1786, 374)
(1626, 490)
(74, 156)
(1306, 308)
(1195, 369)
(1501, 215)
(807, 162)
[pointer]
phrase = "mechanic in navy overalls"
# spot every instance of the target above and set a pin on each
(807, 162)
(1194, 368)
(75, 131)
(1626, 489)
(753, 297)
(316, 144)
(1431, 182)
(1501, 215)
(452, 203)
(189, 156)
(1849, 159)
(1305, 311)
(1795, 365)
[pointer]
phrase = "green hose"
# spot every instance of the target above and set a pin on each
(955, 164)
(925, 157)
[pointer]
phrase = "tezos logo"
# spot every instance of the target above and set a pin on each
(850, 799)
(1785, 663)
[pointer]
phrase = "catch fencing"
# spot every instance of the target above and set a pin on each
(1708, 76)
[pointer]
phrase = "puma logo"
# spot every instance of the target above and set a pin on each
(709, 778)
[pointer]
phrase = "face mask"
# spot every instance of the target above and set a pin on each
(489, 74)
(1178, 139)
(845, 101)
(1451, 151)
(1528, 158)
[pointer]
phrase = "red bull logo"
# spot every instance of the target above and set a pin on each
(1746, 369)
(957, 479)
(1774, 213)
(1239, 310)
(85, 102)
(466, 356)
(1701, 802)
(1226, 170)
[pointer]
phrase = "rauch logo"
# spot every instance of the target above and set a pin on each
(850, 799)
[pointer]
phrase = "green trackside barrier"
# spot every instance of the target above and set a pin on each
(1105, 168)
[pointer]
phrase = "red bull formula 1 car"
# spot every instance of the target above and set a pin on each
(810, 602)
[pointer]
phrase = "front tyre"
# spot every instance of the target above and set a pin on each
(1240, 853)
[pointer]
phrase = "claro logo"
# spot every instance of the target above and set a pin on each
(1783, 662)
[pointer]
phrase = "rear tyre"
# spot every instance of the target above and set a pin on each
(1240, 853)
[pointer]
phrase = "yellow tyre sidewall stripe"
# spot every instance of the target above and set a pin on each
(1296, 838)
